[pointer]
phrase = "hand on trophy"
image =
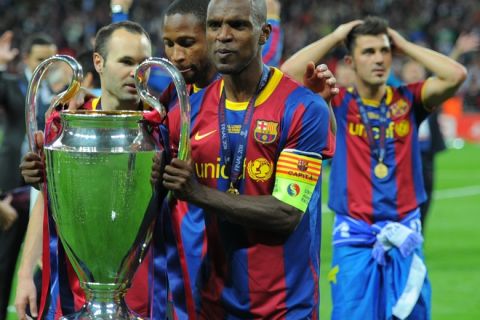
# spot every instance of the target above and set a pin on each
(158, 167)
(179, 177)
(33, 164)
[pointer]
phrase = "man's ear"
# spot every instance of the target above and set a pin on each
(266, 31)
(348, 59)
(98, 62)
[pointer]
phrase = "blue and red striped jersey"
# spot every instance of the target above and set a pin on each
(243, 271)
(355, 190)
(272, 50)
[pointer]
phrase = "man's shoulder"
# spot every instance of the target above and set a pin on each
(295, 92)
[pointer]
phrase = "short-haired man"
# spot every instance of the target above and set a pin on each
(13, 90)
(376, 184)
(258, 140)
(119, 49)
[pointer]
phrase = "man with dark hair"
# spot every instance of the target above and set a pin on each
(186, 46)
(91, 79)
(258, 140)
(122, 47)
(37, 48)
(376, 185)
(13, 89)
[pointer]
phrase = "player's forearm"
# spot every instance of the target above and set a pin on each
(443, 67)
(256, 212)
(296, 64)
(32, 248)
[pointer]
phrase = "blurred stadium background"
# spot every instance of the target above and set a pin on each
(452, 245)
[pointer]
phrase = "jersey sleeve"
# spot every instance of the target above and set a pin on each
(299, 166)
(272, 50)
(419, 108)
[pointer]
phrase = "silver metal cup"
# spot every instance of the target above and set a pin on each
(141, 78)
(98, 176)
(101, 198)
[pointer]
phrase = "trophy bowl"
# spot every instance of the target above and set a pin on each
(101, 198)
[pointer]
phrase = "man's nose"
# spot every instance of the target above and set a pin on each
(379, 57)
(224, 33)
(178, 54)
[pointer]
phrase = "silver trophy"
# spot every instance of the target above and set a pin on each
(99, 190)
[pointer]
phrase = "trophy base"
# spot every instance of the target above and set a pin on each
(103, 311)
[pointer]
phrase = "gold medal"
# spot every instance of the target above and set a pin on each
(233, 190)
(380, 170)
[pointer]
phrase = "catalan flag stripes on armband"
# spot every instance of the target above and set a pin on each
(296, 176)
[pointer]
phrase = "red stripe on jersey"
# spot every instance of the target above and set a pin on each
(212, 290)
(137, 297)
(267, 285)
(178, 212)
(273, 46)
(58, 310)
(358, 168)
(316, 297)
(77, 292)
(404, 174)
(45, 259)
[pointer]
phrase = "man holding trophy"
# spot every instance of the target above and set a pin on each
(258, 140)
(120, 48)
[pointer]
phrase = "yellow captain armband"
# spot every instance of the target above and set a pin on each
(296, 176)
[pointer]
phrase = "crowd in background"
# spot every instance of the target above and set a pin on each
(434, 23)
(437, 24)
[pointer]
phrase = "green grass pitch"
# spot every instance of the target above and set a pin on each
(452, 239)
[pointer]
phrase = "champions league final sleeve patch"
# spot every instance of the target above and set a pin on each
(296, 176)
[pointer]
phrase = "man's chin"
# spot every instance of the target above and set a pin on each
(378, 81)
(132, 100)
(227, 70)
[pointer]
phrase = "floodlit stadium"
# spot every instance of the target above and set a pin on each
(387, 96)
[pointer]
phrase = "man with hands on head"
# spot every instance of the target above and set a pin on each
(376, 184)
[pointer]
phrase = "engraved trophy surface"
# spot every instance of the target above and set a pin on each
(100, 195)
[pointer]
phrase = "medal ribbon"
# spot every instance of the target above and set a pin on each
(379, 150)
(235, 165)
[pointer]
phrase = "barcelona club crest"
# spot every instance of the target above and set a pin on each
(266, 131)
(399, 109)
(302, 165)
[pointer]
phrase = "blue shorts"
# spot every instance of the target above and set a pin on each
(364, 290)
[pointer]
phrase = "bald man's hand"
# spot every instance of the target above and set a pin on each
(320, 80)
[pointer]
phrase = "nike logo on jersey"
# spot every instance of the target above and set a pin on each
(199, 136)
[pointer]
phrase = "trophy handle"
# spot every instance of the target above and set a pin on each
(31, 102)
(180, 85)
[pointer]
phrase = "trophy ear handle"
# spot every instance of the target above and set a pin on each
(182, 93)
(61, 98)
